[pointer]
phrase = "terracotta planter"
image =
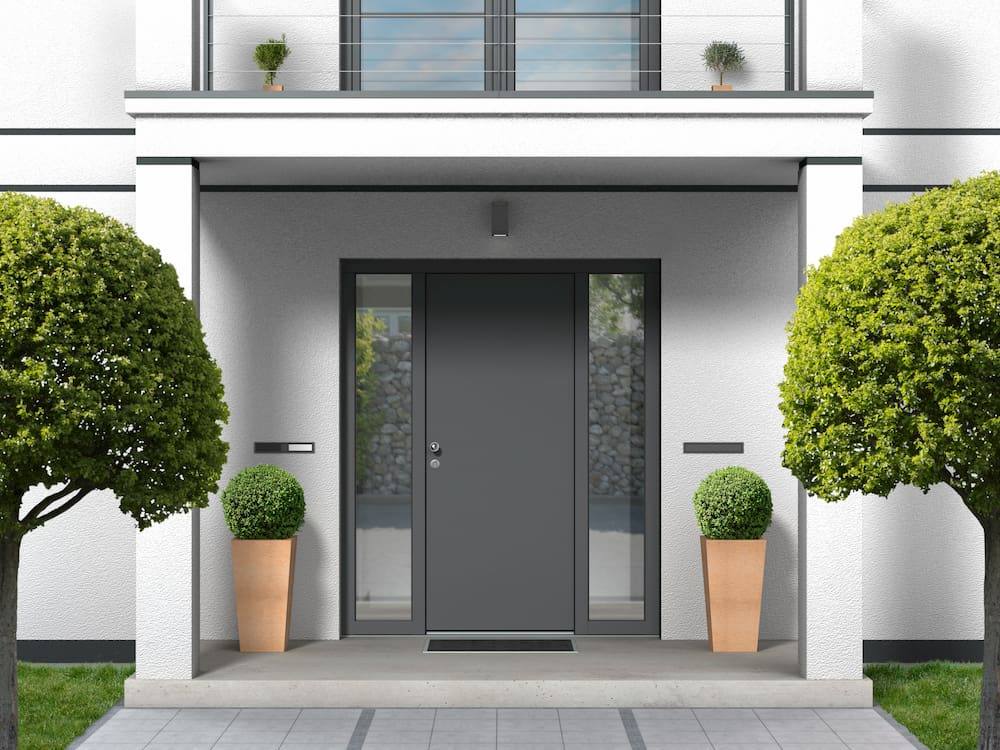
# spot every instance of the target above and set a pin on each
(274, 87)
(263, 570)
(734, 582)
(722, 87)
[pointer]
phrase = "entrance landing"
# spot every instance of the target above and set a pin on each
(381, 672)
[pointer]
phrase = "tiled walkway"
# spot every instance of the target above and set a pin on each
(482, 728)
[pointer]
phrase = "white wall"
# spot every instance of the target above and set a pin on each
(932, 65)
(270, 287)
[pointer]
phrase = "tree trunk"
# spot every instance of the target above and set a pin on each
(989, 710)
(9, 558)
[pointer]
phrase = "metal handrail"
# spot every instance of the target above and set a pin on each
(560, 74)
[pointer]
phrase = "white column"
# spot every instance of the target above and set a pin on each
(167, 613)
(830, 570)
(830, 53)
(167, 44)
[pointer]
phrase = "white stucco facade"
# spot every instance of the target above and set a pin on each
(730, 269)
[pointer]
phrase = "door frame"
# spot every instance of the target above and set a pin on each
(417, 270)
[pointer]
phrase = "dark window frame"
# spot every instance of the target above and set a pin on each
(500, 42)
(417, 269)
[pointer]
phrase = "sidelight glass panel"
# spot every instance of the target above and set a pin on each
(383, 462)
(617, 447)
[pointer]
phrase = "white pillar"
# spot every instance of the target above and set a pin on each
(830, 570)
(831, 41)
(167, 44)
(167, 613)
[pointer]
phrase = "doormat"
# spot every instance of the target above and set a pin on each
(500, 646)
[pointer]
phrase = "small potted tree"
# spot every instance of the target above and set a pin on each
(733, 508)
(723, 57)
(270, 56)
(264, 507)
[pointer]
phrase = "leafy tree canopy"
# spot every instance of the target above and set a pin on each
(105, 380)
(893, 373)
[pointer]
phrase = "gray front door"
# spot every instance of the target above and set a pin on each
(500, 399)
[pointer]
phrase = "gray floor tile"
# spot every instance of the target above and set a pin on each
(657, 714)
(742, 736)
(403, 713)
(192, 736)
(530, 746)
(799, 737)
(112, 734)
(901, 744)
(883, 735)
(814, 724)
(724, 713)
(318, 738)
(591, 746)
(667, 727)
(236, 734)
(589, 713)
(858, 725)
(530, 725)
(205, 714)
(848, 713)
(785, 713)
(675, 738)
(344, 714)
(732, 725)
(466, 713)
(402, 736)
(745, 746)
(471, 736)
(369, 745)
(323, 725)
(527, 713)
(812, 746)
(311, 746)
(463, 746)
(103, 745)
(529, 735)
(262, 725)
(682, 746)
(247, 746)
(183, 746)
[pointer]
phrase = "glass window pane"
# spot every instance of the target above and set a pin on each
(617, 450)
(592, 54)
(422, 6)
(383, 447)
(578, 6)
(442, 54)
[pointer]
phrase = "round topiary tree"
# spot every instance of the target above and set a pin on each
(724, 57)
(264, 502)
(733, 503)
(893, 372)
(105, 384)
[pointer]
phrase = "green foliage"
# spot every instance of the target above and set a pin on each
(367, 420)
(893, 372)
(733, 503)
(59, 703)
(105, 380)
(937, 701)
(614, 299)
(264, 502)
(270, 56)
(724, 57)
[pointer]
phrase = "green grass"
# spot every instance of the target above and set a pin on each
(938, 701)
(59, 703)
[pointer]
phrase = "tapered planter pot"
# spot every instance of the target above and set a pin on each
(264, 570)
(734, 582)
(722, 87)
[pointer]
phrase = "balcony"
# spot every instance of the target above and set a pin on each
(466, 46)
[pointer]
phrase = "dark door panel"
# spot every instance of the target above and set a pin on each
(500, 385)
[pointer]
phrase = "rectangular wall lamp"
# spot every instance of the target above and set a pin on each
(284, 447)
(499, 219)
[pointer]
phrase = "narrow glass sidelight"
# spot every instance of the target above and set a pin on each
(383, 370)
(617, 447)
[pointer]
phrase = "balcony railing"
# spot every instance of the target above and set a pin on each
(493, 45)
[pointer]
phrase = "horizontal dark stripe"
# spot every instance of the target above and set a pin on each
(851, 161)
(182, 161)
(67, 131)
(911, 652)
(931, 131)
(499, 188)
(500, 94)
(72, 652)
(900, 188)
(67, 188)
(713, 447)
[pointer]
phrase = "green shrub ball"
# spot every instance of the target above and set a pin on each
(264, 502)
(733, 503)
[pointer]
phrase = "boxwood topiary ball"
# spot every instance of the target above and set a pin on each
(264, 502)
(733, 503)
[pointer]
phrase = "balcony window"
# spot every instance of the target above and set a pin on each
(488, 45)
